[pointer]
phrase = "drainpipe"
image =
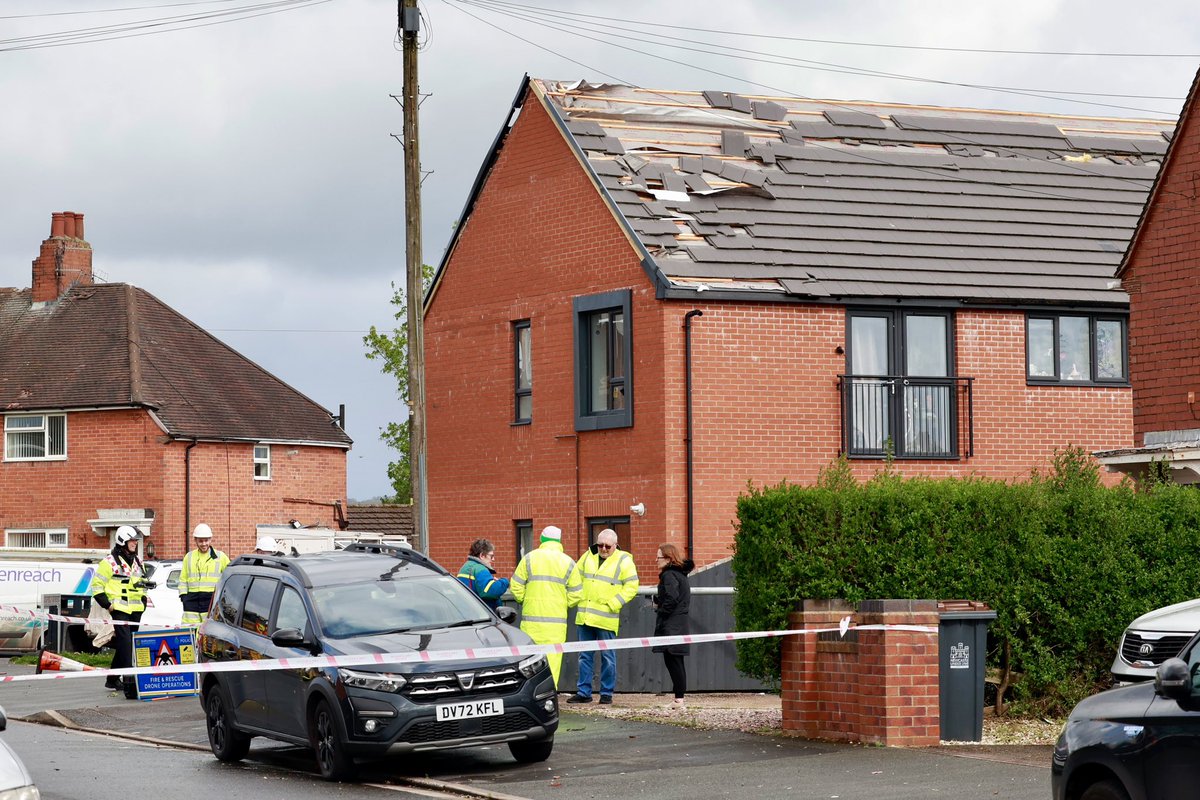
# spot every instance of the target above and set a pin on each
(187, 494)
(687, 361)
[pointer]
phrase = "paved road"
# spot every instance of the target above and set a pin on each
(595, 757)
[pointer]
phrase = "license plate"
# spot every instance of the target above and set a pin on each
(478, 708)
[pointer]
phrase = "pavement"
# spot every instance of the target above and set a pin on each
(635, 746)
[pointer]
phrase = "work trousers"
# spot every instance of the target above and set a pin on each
(123, 639)
(608, 662)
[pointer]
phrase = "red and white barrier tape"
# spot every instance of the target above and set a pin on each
(467, 654)
(44, 615)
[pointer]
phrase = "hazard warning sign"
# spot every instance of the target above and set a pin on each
(165, 648)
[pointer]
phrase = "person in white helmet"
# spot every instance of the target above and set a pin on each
(267, 546)
(119, 585)
(202, 569)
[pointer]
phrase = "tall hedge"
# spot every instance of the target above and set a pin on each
(1066, 562)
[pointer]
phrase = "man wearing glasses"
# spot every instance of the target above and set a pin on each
(610, 581)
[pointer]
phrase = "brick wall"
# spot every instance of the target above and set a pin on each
(1162, 278)
(765, 396)
(120, 459)
(874, 687)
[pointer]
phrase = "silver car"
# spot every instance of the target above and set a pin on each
(1153, 638)
(15, 782)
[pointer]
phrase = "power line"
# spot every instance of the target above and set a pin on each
(112, 10)
(819, 66)
(845, 43)
(104, 33)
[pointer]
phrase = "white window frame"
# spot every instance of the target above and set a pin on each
(262, 461)
(47, 534)
(43, 428)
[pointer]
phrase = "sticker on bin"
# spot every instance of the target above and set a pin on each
(479, 708)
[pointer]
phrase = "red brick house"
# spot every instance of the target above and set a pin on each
(654, 297)
(1161, 273)
(117, 410)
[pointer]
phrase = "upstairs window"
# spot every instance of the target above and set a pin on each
(523, 371)
(262, 462)
(603, 361)
(525, 543)
(35, 437)
(1076, 348)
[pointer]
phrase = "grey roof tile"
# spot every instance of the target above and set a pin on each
(877, 200)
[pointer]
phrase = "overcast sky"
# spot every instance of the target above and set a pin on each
(244, 172)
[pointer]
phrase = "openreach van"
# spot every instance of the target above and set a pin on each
(27, 576)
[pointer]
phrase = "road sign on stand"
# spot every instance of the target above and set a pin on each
(160, 648)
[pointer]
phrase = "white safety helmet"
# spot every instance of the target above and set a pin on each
(268, 544)
(126, 534)
(202, 532)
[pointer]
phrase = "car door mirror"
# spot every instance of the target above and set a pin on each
(290, 637)
(506, 614)
(1173, 679)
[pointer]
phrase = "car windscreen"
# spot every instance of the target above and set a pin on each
(381, 606)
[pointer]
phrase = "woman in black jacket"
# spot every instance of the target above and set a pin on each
(673, 600)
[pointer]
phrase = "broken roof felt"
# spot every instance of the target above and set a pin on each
(114, 345)
(869, 200)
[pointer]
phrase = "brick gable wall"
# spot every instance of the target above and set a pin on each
(765, 382)
(120, 459)
(1162, 278)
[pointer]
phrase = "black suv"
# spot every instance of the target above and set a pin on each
(367, 599)
(1138, 742)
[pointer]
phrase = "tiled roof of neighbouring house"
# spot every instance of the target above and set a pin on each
(826, 200)
(116, 345)
(390, 520)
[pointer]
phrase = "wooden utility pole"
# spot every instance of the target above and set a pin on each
(410, 18)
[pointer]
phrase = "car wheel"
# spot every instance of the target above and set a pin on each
(227, 743)
(532, 752)
(1105, 790)
(332, 759)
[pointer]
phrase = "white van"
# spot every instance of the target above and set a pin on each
(27, 576)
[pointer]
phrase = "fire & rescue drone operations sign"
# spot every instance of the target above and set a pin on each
(163, 648)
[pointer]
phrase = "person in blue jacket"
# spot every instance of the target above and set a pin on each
(479, 575)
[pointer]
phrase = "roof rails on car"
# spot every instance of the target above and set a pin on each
(257, 560)
(396, 551)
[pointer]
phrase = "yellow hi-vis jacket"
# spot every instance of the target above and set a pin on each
(201, 571)
(546, 585)
(121, 583)
(607, 586)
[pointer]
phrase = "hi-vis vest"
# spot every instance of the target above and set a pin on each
(546, 585)
(201, 572)
(121, 582)
(607, 587)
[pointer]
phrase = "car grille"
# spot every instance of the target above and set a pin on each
(434, 687)
(1159, 649)
(432, 731)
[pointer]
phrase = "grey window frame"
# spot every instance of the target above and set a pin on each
(584, 307)
(621, 525)
(521, 526)
(1093, 318)
(519, 391)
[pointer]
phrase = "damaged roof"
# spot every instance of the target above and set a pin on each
(114, 345)
(773, 197)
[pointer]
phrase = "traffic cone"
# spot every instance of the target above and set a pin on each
(56, 662)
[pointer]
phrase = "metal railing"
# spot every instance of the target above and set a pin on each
(907, 417)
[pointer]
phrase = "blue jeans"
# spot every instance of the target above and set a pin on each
(608, 662)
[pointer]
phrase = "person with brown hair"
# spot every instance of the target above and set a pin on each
(673, 601)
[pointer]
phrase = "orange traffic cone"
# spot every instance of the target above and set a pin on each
(55, 662)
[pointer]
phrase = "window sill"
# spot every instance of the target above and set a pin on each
(521, 423)
(1125, 384)
(33, 460)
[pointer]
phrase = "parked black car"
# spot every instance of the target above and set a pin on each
(1138, 742)
(362, 600)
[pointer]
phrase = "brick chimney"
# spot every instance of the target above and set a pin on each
(65, 260)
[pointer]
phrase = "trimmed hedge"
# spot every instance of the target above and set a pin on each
(1066, 562)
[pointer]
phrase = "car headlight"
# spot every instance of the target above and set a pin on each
(379, 681)
(29, 792)
(532, 665)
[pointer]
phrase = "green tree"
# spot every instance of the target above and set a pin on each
(391, 350)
